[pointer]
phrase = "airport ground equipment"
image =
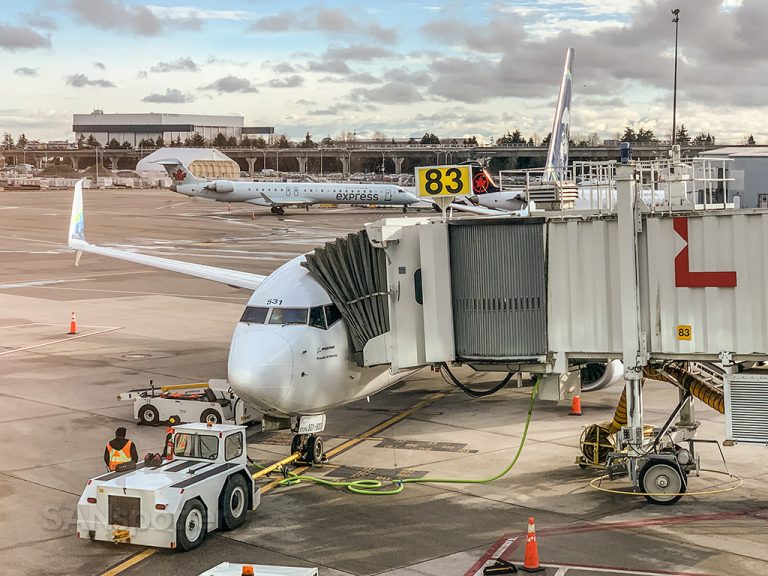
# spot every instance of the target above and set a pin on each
(205, 487)
(229, 569)
(666, 280)
(179, 403)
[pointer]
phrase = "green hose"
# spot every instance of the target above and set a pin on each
(372, 487)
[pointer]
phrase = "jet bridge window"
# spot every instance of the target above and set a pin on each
(255, 315)
(289, 316)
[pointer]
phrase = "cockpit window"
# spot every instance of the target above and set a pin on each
(288, 316)
(317, 318)
(332, 314)
(255, 315)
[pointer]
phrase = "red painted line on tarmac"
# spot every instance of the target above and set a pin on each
(489, 554)
(602, 527)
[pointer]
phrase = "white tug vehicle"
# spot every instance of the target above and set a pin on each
(204, 487)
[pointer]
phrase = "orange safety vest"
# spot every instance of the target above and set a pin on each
(119, 456)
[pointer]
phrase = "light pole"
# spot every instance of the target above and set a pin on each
(676, 20)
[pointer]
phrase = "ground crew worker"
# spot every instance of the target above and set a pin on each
(120, 450)
(168, 446)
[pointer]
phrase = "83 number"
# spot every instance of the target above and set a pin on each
(434, 185)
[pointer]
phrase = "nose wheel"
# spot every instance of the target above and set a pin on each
(310, 446)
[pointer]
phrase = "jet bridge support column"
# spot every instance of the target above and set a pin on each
(302, 160)
(398, 160)
(634, 347)
(344, 164)
(74, 160)
(251, 165)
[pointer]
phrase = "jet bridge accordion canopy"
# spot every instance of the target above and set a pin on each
(354, 274)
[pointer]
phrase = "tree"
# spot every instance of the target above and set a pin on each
(113, 144)
(430, 138)
(197, 141)
(22, 141)
(471, 141)
(92, 142)
(259, 142)
(126, 145)
(283, 142)
(7, 141)
(220, 140)
(411, 141)
(629, 135)
(751, 140)
(245, 142)
(160, 143)
(232, 142)
(704, 139)
(644, 135)
(510, 138)
(327, 141)
(546, 140)
(81, 142)
(307, 142)
(591, 139)
(530, 141)
(146, 143)
(682, 136)
(378, 136)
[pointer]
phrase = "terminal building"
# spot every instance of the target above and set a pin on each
(133, 128)
(748, 170)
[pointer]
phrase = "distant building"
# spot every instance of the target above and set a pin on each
(133, 128)
(749, 169)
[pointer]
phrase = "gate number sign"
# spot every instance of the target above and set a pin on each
(434, 181)
(684, 332)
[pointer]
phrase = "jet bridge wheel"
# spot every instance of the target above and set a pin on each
(662, 482)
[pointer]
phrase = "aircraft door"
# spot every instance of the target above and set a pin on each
(287, 190)
(295, 190)
(388, 195)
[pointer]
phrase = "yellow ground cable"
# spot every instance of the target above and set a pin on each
(629, 492)
(372, 487)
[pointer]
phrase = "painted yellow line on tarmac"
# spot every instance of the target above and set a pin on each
(344, 446)
(132, 561)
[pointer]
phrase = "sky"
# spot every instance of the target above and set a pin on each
(401, 67)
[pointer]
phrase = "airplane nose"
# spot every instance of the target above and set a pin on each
(260, 366)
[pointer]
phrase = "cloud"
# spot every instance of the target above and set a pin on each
(283, 68)
(141, 74)
(329, 66)
(389, 93)
(193, 13)
(99, 65)
(37, 20)
(136, 19)
(292, 81)
(13, 38)
(24, 71)
(185, 63)
(335, 21)
(231, 84)
(81, 81)
(171, 96)
(359, 52)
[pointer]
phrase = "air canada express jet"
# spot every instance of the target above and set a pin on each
(279, 195)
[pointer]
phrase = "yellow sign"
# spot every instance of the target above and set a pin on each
(684, 332)
(434, 181)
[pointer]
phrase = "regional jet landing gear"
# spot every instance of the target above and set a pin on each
(279, 210)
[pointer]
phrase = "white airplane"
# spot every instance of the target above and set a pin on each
(289, 355)
(278, 195)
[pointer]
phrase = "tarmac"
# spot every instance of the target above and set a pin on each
(59, 408)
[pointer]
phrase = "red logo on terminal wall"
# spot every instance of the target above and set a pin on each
(179, 175)
(684, 278)
(480, 183)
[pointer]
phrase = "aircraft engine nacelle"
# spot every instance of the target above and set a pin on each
(220, 186)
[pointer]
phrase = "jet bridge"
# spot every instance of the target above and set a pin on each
(668, 286)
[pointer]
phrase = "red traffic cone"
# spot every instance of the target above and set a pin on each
(72, 325)
(531, 563)
(575, 406)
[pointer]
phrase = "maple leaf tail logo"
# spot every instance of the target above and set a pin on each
(179, 175)
(480, 183)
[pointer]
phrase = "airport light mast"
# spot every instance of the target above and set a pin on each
(676, 20)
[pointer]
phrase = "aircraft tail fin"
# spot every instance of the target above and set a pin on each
(482, 181)
(557, 155)
(178, 172)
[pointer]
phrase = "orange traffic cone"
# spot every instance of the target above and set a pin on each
(72, 325)
(575, 406)
(531, 563)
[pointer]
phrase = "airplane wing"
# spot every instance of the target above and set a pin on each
(78, 242)
(273, 202)
(483, 211)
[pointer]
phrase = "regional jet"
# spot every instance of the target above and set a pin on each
(279, 195)
(290, 354)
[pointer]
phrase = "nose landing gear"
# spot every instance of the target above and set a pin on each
(310, 446)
